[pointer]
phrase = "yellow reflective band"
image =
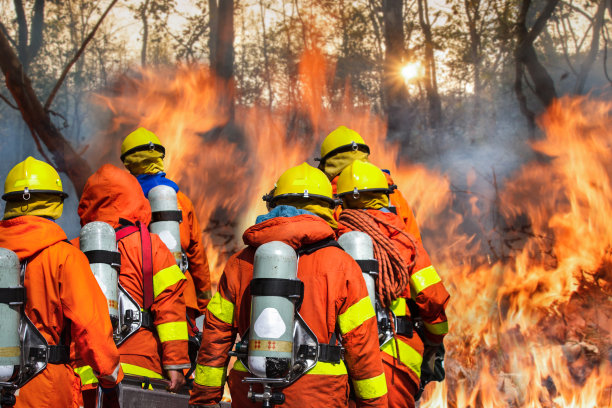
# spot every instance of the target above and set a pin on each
(438, 328)
(408, 356)
(424, 279)
(221, 308)
(140, 371)
(172, 331)
(322, 368)
(166, 278)
(238, 366)
(356, 315)
(210, 376)
(87, 375)
(374, 387)
(398, 307)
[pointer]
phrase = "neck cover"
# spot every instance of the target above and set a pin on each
(40, 204)
(148, 181)
(144, 162)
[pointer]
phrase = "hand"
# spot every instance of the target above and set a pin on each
(177, 380)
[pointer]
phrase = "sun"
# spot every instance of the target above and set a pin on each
(411, 71)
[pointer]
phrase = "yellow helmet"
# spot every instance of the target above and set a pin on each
(302, 181)
(340, 140)
(32, 176)
(362, 176)
(139, 140)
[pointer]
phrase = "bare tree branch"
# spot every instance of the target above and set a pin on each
(8, 102)
(74, 59)
(37, 118)
(7, 35)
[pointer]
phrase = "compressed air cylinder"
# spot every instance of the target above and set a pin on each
(271, 332)
(99, 237)
(359, 246)
(165, 219)
(10, 315)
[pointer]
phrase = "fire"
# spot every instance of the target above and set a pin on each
(530, 302)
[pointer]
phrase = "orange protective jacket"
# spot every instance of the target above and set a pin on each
(335, 300)
(397, 200)
(403, 369)
(62, 295)
(112, 194)
(198, 289)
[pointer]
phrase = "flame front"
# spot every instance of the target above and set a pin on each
(529, 317)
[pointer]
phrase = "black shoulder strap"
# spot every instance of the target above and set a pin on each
(324, 243)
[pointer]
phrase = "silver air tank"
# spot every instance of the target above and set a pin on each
(10, 316)
(359, 246)
(98, 241)
(165, 219)
(272, 317)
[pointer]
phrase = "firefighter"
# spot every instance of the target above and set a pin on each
(56, 278)
(335, 304)
(405, 275)
(148, 273)
(142, 154)
(343, 146)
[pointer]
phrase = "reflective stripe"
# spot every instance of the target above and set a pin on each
(424, 279)
(371, 387)
(210, 376)
(398, 306)
(221, 308)
(87, 375)
(438, 328)
(408, 356)
(356, 315)
(166, 278)
(137, 370)
(322, 368)
(172, 331)
(238, 366)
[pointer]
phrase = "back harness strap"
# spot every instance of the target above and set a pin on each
(147, 259)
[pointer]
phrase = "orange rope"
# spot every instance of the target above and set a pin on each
(394, 270)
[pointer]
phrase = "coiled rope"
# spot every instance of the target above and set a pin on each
(394, 270)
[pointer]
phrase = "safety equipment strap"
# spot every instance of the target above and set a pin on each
(172, 215)
(368, 265)
(111, 258)
(290, 288)
(12, 296)
(327, 353)
(147, 259)
(324, 243)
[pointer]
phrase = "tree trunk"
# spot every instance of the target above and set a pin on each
(472, 11)
(598, 20)
(223, 62)
(213, 24)
(525, 55)
(431, 82)
(394, 90)
(222, 51)
(38, 120)
(144, 17)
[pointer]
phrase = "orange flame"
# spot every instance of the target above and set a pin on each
(530, 322)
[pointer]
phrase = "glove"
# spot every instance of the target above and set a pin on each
(432, 368)
(110, 396)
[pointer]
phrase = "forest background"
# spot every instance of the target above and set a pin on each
(447, 93)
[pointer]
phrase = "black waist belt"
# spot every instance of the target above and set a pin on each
(403, 325)
(327, 353)
(55, 354)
